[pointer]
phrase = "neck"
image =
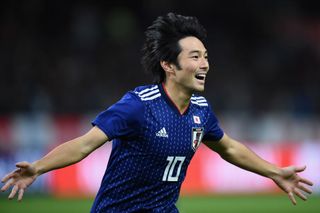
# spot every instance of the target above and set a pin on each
(178, 95)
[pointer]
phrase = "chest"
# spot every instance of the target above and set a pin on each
(167, 133)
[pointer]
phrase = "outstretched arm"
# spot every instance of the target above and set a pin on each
(286, 178)
(63, 155)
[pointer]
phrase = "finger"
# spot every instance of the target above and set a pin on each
(23, 164)
(300, 168)
(13, 192)
(291, 197)
(5, 178)
(300, 194)
(305, 189)
(10, 175)
(308, 182)
(7, 186)
(20, 195)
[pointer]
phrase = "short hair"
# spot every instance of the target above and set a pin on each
(161, 43)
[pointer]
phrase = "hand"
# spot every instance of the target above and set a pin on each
(20, 179)
(290, 182)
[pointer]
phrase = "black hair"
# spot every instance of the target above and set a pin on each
(161, 43)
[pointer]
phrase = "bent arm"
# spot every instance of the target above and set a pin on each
(238, 154)
(71, 151)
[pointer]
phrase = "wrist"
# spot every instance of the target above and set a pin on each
(37, 168)
(274, 172)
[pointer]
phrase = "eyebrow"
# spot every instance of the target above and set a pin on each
(197, 51)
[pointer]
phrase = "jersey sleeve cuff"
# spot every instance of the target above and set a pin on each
(104, 130)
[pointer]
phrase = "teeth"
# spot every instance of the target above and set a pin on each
(200, 76)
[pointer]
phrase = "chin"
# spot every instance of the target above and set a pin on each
(199, 89)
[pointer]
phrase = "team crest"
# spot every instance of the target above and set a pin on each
(197, 135)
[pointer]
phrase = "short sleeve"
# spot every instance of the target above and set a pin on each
(123, 119)
(213, 132)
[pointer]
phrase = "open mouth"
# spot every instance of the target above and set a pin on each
(200, 76)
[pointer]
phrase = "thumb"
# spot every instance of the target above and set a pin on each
(300, 168)
(23, 165)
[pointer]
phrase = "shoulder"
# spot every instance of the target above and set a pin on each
(147, 93)
(199, 101)
(136, 98)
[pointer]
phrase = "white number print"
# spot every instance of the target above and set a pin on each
(168, 172)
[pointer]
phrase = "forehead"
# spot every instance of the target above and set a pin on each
(191, 44)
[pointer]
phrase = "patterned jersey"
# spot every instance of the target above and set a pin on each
(153, 144)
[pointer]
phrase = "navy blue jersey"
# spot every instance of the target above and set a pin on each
(153, 144)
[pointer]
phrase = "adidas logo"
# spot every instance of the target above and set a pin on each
(162, 133)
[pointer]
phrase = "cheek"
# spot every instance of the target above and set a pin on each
(190, 70)
(189, 67)
(187, 71)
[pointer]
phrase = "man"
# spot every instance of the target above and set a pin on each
(156, 130)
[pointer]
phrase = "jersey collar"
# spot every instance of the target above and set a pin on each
(169, 101)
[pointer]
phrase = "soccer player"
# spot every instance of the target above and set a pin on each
(156, 130)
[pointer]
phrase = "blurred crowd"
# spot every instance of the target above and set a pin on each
(82, 56)
(63, 61)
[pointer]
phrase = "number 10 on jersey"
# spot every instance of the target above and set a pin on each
(168, 174)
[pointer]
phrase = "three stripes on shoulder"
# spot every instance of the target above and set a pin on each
(154, 92)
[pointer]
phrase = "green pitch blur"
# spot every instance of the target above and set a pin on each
(220, 204)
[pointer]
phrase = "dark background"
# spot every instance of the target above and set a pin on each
(82, 56)
(62, 62)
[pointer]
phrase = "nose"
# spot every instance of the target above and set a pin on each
(204, 64)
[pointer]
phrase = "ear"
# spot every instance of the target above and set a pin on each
(167, 67)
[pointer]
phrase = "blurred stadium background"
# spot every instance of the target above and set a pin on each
(62, 62)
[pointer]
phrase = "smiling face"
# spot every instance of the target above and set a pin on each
(193, 66)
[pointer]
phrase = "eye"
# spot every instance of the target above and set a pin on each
(195, 56)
